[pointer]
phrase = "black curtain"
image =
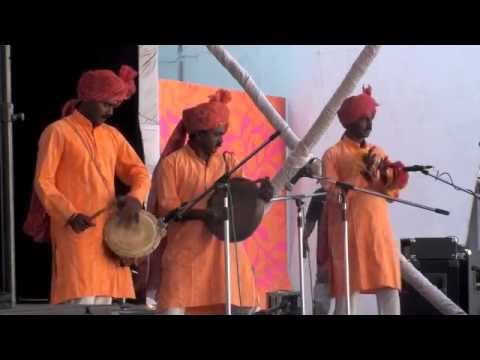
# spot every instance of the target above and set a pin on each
(44, 77)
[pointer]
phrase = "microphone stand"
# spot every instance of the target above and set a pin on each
(344, 188)
(221, 183)
(8, 285)
(300, 202)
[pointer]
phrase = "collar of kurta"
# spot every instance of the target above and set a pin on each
(347, 140)
(81, 120)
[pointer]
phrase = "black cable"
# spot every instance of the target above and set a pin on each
(451, 183)
(232, 222)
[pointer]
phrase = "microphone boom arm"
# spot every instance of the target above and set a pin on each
(470, 192)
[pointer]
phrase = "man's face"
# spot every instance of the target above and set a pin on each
(362, 128)
(211, 140)
(99, 112)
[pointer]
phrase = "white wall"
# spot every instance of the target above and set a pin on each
(428, 115)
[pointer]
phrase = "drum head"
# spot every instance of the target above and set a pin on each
(138, 240)
(248, 210)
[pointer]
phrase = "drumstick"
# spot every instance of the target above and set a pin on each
(100, 212)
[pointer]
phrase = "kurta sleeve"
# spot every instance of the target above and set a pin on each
(50, 151)
(131, 170)
(167, 198)
(329, 170)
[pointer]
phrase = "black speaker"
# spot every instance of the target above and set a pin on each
(450, 276)
(283, 302)
(448, 266)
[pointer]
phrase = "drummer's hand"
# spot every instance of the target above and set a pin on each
(80, 223)
(266, 190)
(129, 208)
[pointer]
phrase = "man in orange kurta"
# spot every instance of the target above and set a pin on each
(373, 253)
(78, 159)
(192, 274)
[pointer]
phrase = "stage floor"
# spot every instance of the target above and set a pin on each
(47, 309)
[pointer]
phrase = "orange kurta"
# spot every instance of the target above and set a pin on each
(68, 182)
(193, 267)
(373, 252)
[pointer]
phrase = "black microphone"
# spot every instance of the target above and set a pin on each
(300, 174)
(417, 168)
(442, 212)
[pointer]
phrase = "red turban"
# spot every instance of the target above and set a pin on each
(357, 107)
(104, 86)
(206, 116)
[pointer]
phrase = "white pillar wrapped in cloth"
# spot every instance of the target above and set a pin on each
(301, 149)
